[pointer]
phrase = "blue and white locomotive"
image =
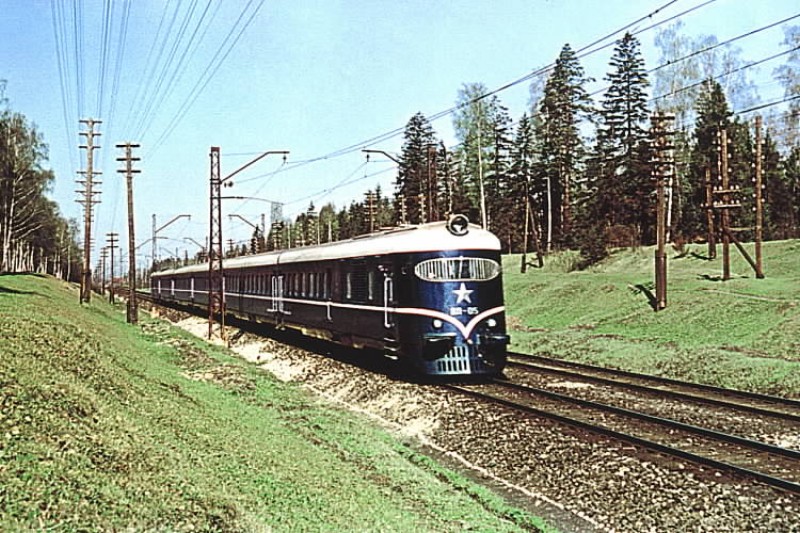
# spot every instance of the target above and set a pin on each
(429, 295)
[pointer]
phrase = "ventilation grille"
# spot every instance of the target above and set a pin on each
(457, 269)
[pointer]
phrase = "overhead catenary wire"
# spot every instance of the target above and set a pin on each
(182, 64)
(224, 50)
(582, 52)
(671, 62)
(184, 51)
(173, 64)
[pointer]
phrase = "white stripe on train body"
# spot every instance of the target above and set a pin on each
(419, 293)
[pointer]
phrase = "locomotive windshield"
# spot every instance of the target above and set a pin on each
(457, 269)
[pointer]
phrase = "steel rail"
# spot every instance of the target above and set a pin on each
(782, 402)
(767, 479)
(710, 433)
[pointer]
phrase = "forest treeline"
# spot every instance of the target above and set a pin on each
(575, 170)
(34, 236)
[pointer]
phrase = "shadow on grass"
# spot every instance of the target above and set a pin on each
(646, 290)
(7, 290)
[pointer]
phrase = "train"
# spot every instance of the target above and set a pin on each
(429, 296)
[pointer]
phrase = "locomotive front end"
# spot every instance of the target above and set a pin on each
(460, 323)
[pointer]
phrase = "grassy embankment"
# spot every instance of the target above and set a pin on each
(742, 333)
(106, 426)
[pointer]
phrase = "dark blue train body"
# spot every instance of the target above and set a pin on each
(430, 295)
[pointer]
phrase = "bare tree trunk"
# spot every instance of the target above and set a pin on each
(549, 245)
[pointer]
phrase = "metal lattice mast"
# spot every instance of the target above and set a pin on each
(216, 274)
(216, 298)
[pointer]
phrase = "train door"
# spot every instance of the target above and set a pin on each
(277, 305)
(388, 298)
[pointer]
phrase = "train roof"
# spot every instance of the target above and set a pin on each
(404, 239)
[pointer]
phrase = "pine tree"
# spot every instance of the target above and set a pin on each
(712, 114)
(780, 217)
(410, 193)
(521, 172)
(564, 105)
(621, 154)
(499, 203)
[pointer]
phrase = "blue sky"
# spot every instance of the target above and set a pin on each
(309, 76)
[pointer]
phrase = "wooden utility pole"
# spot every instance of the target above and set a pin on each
(523, 267)
(663, 163)
(88, 202)
(759, 200)
(103, 257)
(129, 171)
(112, 243)
(530, 229)
(725, 191)
(712, 233)
(154, 246)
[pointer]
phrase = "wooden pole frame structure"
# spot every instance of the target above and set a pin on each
(112, 243)
(759, 199)
(88, 205)
(727, 201)
(663, 171)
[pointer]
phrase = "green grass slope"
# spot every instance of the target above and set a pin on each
(742, 333)
(106, 426)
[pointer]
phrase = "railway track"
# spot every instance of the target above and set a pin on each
(754, 460)
(737, 401)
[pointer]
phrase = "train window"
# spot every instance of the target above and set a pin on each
(457, 269)
(326, 283)
(356, 282)
(371, 285)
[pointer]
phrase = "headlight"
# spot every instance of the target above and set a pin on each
(458, 225)
(491, 322)
(437, 323)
